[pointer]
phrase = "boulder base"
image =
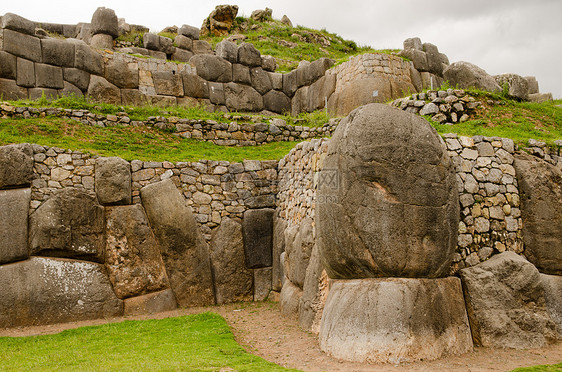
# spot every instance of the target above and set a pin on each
(395, 320)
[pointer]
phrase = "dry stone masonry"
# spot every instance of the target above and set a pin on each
(243, 130)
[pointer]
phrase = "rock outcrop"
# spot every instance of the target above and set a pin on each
(220, 20)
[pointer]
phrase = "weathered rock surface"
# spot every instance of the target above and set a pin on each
(506, 303)
(69, 224)
(233, 282)
(16, 165)
(151, 303)
(290, 299)
(262, 283)
(552, 285)
(540, 188)
(212, 68)
(113, 181)
(14, 213)
(517, 86)
(299, 241)
(101, 90)
(315, 293)
(467, 75)
(45, 291)
(242, 98)
(257, 228)
(132, 255)
(390, 200)
(395, 320)
(189, 31)
(184, 251)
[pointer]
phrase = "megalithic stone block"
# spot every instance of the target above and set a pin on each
(258, 237)
(14, 213)
(184, 250)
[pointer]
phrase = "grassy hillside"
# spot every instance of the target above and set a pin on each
(290, 45)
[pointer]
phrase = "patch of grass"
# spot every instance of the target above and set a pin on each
(142, 143)
(519, 121)
(541, 368)
(135, 37)
(200, 342)
(170, 35)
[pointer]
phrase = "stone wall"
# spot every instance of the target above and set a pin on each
(246, 133)
(237, 78)
(214, 189)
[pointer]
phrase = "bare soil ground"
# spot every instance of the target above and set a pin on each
(260, 329)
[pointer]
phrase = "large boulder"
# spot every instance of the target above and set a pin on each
(69, 224)
(233, 281)
(506, 303)
(113, 181)
(16, 165)
(466, 75)
(242, 98)
(45, 291)
(104, 21)
(189, 31)
(212, 68)
(257, 228)
(13, 224)
(248, 55)
(220, 21)
(540, 188)
(17, 23)
(122, 74)
(101, 90)
(184, 250)
(395, 320)
(289, 300)
(58, 52)
(132, 255)
(228, 50)
(517, 86)
(389, 198)
(151, 303)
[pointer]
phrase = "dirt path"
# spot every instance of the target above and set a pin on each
(260, 328)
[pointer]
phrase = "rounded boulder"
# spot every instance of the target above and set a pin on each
(387, 201)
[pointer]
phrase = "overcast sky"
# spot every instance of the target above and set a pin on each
(523, 37)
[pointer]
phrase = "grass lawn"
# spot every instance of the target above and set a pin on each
(200, 342)
(543, 368)
(129, 143)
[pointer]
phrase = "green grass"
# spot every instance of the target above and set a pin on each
(142, 143)
(542, 368)
(201, 342)
(519, 121)
(141, 113)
